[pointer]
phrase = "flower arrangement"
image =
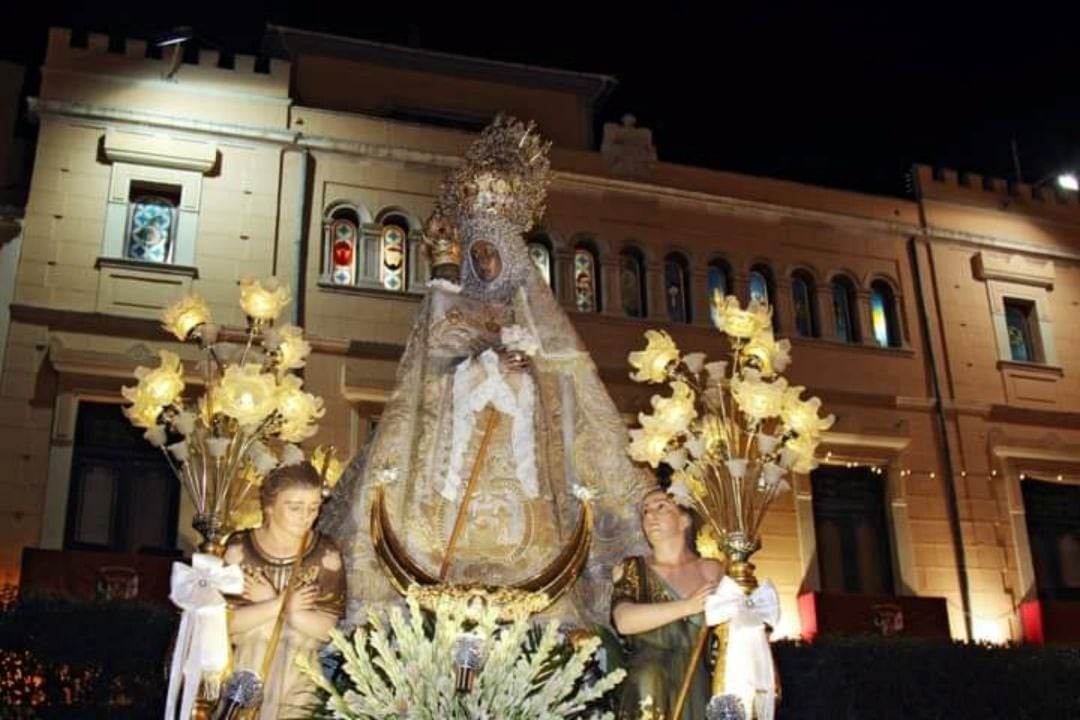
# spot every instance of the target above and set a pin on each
(249, 417)
(408, 666)
(731, 430)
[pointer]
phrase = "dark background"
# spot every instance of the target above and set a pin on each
(839, 96)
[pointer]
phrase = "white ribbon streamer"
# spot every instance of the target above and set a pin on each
(202, 643)
(748, 670)
(469, 397)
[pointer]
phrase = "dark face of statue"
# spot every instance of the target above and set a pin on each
(485, 260)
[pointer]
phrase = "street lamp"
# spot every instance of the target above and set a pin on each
(177, 36)
(1068, 181)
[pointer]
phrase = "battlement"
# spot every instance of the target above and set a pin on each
(975, 189)
(133, 58)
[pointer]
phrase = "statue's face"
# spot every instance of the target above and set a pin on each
(662, 519)
(486, 260)
(293, 510)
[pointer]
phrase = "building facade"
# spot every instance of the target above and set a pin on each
(936, 329)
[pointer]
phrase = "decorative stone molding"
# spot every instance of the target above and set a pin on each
(150, 150)
(628, 150)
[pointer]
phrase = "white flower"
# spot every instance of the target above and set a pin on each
(155, 435)
(677, 459)
(291, 455)
(772, 475)
(652, 362)
(261, 458)
(264, 464)
(757, 399)
(184, 423)
(767, 354)
(674, 413)
(802, 415)
(179, 451)
(730, 318)
(696, 446)
(680, 493)
(694, 361)
(767, 443)
(292, 348)
(583, 493)
(263, 303)
(737, 467)
(717, 371)
(798, 454)
(217, 446)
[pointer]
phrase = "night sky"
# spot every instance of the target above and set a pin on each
(847, 98)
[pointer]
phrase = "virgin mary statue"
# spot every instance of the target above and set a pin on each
(496, 385)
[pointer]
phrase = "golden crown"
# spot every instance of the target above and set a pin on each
(506, 173)
(442, 240)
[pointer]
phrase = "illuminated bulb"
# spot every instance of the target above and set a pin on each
(933, 475)
(1023, 476)
(963, 473)
(1059, 478)
(993, 473)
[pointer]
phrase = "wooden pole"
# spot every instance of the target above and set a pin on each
(279, 624)
(691, 668)
(459, 523)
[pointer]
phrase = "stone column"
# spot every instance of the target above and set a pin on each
(699, 298)
(610, 295)
(866, 318)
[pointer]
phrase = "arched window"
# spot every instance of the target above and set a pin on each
(586, 281)
(719, 275)
(393, 251)
(884, 315)
(342, 229)
(677, 288)
(759, 287)
(844, 309)
(151, 225)
(803, 298)
(632, 282)
(763, 289)
(539, 248)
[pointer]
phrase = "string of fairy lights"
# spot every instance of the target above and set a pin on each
(881, 468)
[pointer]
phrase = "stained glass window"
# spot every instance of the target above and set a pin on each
(762, 289)
(541, 257)
(847, 326)
(883, 315)
(392, 267)
(1018, 322)
(343, 241)
(802, 297)
(151, 229)
(718, 279)
(675, 289)
(759, 287)
(632, 287)
(585, 280)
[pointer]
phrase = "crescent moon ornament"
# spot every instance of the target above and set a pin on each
(523, 598)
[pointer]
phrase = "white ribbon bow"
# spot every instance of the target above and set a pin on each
(729, 603)
(478, 382)
(749, 672)
(202, 643)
